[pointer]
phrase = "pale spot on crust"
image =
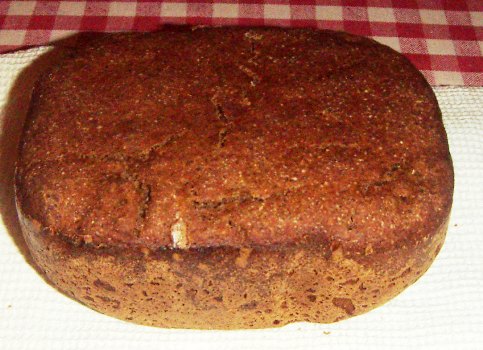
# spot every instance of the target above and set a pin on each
(145, 251)
(178, 233)
(203, 267)
(242, 259)
(252, 35)
(369, 250)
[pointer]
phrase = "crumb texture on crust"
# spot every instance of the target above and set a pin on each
(235, 137)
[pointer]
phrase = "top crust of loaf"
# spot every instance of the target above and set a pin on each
(193, 138)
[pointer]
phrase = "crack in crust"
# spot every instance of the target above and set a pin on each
(218, 204)
(222, 117)
(243, 198)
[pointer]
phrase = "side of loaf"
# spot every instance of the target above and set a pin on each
(224, 178)
(229, 288)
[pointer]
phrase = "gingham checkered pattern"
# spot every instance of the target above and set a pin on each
(443, 39)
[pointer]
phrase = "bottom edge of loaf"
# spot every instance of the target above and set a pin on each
(229, 288)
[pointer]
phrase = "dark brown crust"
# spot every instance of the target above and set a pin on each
(314, 148)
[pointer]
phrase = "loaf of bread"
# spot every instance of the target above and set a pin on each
(224, 178)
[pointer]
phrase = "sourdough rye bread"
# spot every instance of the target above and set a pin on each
(233, 177)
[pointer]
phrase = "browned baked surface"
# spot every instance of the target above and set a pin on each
(261, 161)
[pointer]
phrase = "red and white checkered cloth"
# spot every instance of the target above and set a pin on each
(443, 39)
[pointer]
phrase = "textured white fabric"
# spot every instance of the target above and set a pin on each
(442, 310)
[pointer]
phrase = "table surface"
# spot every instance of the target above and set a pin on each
(443, 39)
